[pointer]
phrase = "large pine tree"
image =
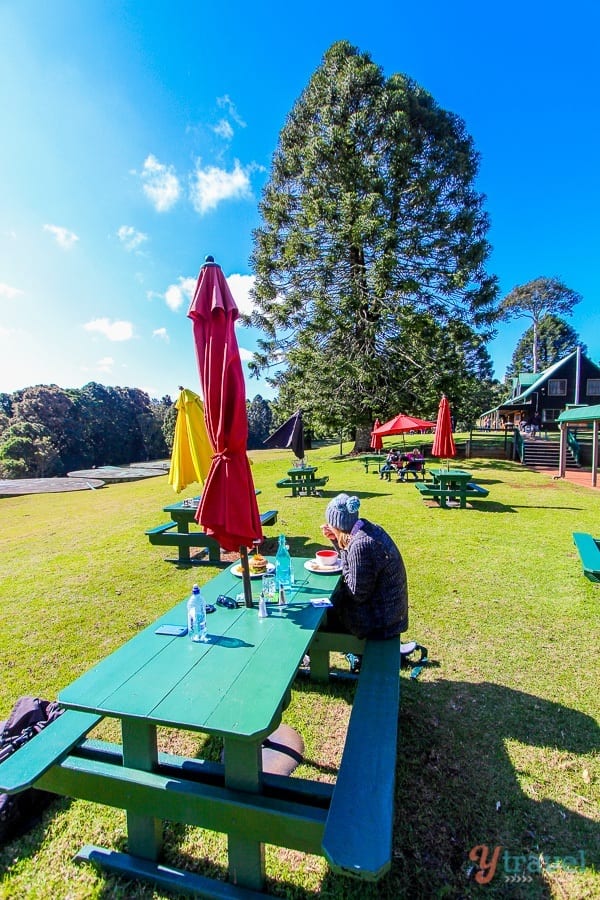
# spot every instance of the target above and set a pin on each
(373, 239)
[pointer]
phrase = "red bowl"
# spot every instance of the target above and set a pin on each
(326, 557)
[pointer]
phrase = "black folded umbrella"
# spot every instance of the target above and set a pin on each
(289, 435)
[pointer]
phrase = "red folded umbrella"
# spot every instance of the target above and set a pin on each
(376, 439)
(443, 443)
(228, 508)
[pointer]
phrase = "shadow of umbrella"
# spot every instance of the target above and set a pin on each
(228, 510)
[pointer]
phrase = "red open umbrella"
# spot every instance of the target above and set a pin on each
(443, 443)
(228, 508)
(401, 424)
(376, 439)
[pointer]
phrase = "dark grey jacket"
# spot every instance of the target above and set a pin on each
(371, 599)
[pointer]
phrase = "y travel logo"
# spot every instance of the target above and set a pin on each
(518, 867)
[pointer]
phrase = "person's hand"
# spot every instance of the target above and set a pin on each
(328, 532)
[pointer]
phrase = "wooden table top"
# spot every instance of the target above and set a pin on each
(235, 684)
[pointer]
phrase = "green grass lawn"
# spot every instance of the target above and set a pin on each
(499, 736)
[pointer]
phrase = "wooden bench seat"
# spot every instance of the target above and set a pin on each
(429, 489)
(166, 535)
(420, 473)
(298, 487)
(589, 554)
(269, 517)
(358, 832)
(23, 768)
(477, 488)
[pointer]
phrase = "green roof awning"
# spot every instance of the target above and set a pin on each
(580, 414)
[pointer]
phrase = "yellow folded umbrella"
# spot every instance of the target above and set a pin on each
(192, 450)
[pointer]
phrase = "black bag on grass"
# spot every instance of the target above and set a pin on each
(18, 811)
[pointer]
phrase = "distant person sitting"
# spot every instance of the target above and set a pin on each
(390, 465)
(414, 465)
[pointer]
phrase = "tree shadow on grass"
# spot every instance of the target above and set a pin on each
(457, 787)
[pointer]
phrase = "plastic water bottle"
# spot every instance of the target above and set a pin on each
(196, 614)
(283, 565)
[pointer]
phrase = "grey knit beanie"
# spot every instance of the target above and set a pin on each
(342, 512)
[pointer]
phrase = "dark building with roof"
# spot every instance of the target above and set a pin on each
(543, 396)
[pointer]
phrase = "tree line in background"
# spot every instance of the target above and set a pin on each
(47, 431)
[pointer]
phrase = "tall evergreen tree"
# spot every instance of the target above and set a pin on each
(371, 228)
(536, 299)
(260, 418)
(555, 339)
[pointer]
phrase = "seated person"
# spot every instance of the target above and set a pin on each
(414, 464)
(371, 598)
(390, 465)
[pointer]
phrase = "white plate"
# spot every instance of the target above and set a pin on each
(237, 570)
(312, 566)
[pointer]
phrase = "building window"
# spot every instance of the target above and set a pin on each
(593, 387)
(550, 415)
(557, 387)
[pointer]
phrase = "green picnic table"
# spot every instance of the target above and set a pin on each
(176, 532)
(451, 484)
(373, 459)
(303, 480)
(236, 687)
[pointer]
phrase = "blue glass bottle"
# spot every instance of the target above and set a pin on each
(283, 565)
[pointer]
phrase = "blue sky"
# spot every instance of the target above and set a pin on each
(136, 138)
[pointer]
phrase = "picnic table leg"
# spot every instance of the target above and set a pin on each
(184, 552)
(144, 833)
(319, 663)
(243, 765)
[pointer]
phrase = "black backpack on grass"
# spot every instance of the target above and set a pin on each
(19, 811)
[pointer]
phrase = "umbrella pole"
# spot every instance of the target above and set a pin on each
(246, 576)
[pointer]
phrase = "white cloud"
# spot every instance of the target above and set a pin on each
(130, 238)
(113, 331)
(223, 129)
(240, 286)
(245, 355)
(160, 184)
(105, 364)
(6, 332)
(176, 294)
(162, 334)
(10, 293)
(212, 185)
(225, 102)
(64, 238)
